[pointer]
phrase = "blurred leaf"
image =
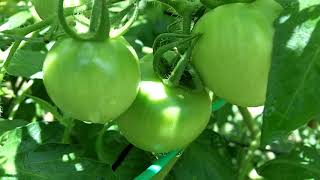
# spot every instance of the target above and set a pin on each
(301, 163)
(16, 20)
(60, 161)
(27, 64)
(134, 163)
(25, 139)
(292, 98)
(7, 125)
(205, 158)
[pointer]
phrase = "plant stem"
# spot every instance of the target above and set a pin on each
(103, 28)
(20, 97)
(64, 24)
(24, 32)
(99, 143)
(182, 6)
(160, 51)
(67, 131)
(187, 20)
(249, 121)
(13, 49)
(178, 71)
(246, 164)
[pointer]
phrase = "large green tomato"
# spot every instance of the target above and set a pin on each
(92, 81)
(46, 8)
(162, 118)
(233, 55)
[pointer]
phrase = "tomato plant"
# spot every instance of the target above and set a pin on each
(161, 118)
(46, 8)
(82, 97)
(224, 55)
(92, 81)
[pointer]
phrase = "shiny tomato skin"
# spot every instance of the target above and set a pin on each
(162, 118)
(92, 81)
(233, 55)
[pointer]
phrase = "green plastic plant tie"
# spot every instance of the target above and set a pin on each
(219, 103)
(157, 166)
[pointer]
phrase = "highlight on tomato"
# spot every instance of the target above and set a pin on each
(162, 118)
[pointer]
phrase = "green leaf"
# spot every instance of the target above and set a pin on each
(27, 64)
(16, 20)
(60, 161)
(301, 163)
(293, 96)
(25, 139)
(7, 125)
(205, 158)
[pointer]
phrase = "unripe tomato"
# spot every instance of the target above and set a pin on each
(233, 55)
(161, 118)
(92, 81)
(46, 8)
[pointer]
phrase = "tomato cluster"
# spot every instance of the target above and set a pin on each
(100, 81)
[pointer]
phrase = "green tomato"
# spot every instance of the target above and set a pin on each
(161, 118)
(233, 55)
(46, 8)
(92, 81)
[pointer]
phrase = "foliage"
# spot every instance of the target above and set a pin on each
(279, 140)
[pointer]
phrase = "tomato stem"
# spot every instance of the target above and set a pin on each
(195, 78)
(180, 68)
(102, 31)
(23, 32)
(183, 6)
(160, 51)
(128, 24)
(95, 16)
(187, 20)
(64, 23)
(99, 146)
(178, 71)
(249, 121)
(69, 124)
